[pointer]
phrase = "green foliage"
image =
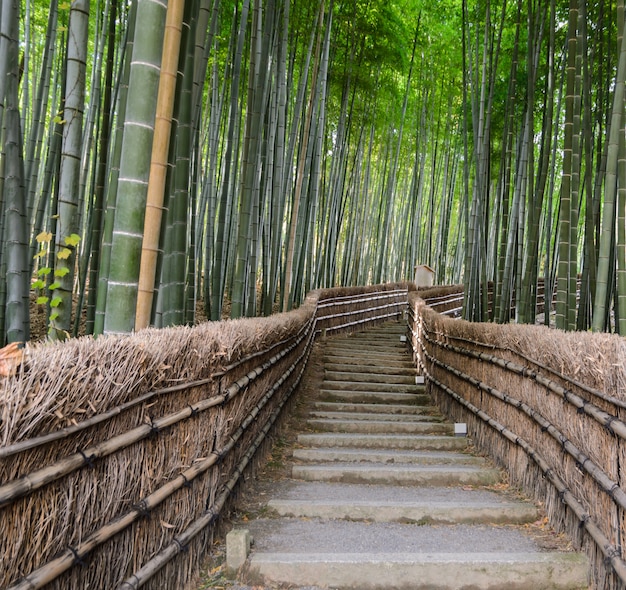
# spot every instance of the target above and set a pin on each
(44, 289)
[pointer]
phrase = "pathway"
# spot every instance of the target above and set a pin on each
(383, 494)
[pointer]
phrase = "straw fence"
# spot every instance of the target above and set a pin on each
(117, 455)
(549, 406)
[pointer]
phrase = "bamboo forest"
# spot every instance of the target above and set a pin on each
(167, 158)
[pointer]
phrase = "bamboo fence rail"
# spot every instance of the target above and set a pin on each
(549, 407)
(118, 455)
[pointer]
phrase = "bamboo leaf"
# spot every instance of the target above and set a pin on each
(64, 253)
(61, 272)
(38, 284)
(44, 271)
(42, 300)
(55, 302)
(55, 285)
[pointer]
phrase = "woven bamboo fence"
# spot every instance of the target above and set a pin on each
(550, 407)
(117, 455)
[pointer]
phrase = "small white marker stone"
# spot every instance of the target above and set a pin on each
(402, 338)
(460, 429)
(238, 543)
(419, 380)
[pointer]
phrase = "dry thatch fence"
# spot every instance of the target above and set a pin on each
(549, 406)
(118, 454)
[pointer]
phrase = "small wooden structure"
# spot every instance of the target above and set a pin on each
(424, 276)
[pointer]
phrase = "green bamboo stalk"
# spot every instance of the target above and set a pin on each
(607, 236)
(114, 170)
(68, 228)
(127, 236)
(563, 312)
(16, 314)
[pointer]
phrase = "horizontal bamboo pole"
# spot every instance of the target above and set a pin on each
(26, 484)
(358, 322)
(364, 297)
(97, 419)
(584, 387)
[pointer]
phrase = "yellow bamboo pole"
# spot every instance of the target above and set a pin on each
(158, 164)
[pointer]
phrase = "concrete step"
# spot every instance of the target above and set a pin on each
(401, 409)
(369, 351)
(405, 474)
(376, 556)
(381, 426)
(375, 397)
(409, 370)
(386, 332)
(386, 456)
(385, 503)
(354, 377)
(391, 361)
(334, 385)
(407, 571)
(376, 503)
(381, 415)
(382, 441)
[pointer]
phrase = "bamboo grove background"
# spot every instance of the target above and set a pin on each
(119, 454)
(548, 406)
(160, 154)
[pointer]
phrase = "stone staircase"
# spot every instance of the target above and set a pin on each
(383, 495)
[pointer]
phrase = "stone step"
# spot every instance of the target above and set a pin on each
(385, 503)
(369, 351)
(375, 397)
(402, 409)
(409, 370)
(384, 497)
(387, 456)
(369, 378)
(334, 385)
(428, 571)
(381, 426)
(404, 474)
(367, 336)
(392, 361)
(380, 340)
(382, 441)
(379, 556)
(381, 415)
